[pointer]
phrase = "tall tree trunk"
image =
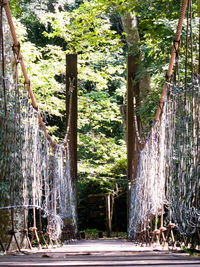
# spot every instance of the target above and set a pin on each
(141, 83)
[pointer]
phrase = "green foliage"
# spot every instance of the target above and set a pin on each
(191, 251)
(101, 131)
(84, 29)
(91, 233)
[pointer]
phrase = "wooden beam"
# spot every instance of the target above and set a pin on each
(108, 215)
(132, 141)
(71, 115)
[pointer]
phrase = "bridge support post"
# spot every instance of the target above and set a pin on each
(71, 115)
(71, 80)
(132, 141)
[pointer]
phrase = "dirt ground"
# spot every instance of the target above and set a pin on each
(108, 252)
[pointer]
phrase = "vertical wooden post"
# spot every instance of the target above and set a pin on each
(108, 214)
(132, 143)
(71, 79)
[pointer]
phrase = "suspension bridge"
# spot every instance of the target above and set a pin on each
(38, 176)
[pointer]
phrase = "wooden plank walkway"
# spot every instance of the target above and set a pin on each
(100, 253)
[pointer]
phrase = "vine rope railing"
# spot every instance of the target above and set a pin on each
(35, 176)
(165, 194)
(16, 47)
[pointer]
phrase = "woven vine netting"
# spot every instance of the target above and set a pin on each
(165, 195)
(35, 176)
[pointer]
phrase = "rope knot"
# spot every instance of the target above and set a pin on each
(16, 48)
(177, 45)
(27, 82)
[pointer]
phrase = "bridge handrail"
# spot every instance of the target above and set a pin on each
(176, 44)
(23, 68)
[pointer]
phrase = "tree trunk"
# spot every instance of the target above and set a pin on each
(141, 82)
